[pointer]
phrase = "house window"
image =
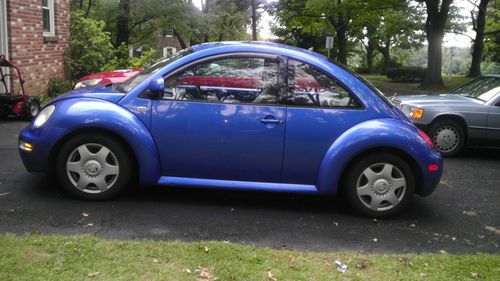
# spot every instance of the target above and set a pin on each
(169, 31)
(169, 51)
(48, 17)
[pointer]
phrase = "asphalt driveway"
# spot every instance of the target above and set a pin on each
(462, 216)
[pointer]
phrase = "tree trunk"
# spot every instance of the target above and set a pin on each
(434, 27)
(387, 56)
(370, 50)
(204, 9)
(477, 51)
(180, 39)
(254, 21)
(122, 22)
(341, 35)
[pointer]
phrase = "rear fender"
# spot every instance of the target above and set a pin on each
(100, 114)
(370, 135)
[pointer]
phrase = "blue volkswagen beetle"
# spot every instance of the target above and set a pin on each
(248, 116)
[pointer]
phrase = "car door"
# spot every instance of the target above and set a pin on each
(215, 123)
(319, 110)
(493, 123)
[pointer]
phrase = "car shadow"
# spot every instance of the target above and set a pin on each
(483, 152)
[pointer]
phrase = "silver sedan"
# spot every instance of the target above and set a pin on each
(467, 115)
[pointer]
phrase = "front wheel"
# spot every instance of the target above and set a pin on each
(379, 185)
(447, 136)
(93, 167)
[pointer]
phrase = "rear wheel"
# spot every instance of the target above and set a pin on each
(379, 185)
(31, 108)
(93, 167)
(448, 137)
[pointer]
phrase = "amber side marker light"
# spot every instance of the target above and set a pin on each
(417, 113)
(25, 146)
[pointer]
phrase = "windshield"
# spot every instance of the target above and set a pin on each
(134, 81)
(483, 88)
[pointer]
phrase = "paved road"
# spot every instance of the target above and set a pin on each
(471, 183)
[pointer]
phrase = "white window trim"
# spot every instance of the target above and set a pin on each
(169, 31)
(52, 25)
(165, 51)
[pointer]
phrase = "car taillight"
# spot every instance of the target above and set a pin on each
(426, 138)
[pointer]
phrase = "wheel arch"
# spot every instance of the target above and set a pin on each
(379, 135)
(451, 116)
(93, 130)
(417, 171)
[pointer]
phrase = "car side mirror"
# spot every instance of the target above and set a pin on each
(156, 87)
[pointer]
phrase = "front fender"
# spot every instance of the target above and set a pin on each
(372, 134)
(72, 115)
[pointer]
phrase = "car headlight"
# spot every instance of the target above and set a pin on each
(43, 116)
(416, 113)
(87, 83)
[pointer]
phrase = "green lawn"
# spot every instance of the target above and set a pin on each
(41, 257)
(389, 87)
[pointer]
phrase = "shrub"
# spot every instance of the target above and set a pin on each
(58, 86)
(363, 70)
(90, 45)
(406, 74)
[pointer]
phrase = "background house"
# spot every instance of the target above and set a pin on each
(163, 42)
(34, 34)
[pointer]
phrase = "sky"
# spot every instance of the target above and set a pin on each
(450, 40)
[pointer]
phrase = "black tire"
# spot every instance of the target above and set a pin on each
(354, 173)
(453, 127)
(121, 156)
(31, 108)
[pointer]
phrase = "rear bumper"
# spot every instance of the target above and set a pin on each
(42, 140)
(430, 179)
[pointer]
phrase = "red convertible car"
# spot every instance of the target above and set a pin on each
(104, 78)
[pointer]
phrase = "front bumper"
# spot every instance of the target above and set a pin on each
(43, 141)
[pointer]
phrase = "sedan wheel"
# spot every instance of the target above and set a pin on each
(447, 136)
(379, 185)
(94, 167)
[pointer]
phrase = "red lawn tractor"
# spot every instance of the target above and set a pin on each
(14, 103)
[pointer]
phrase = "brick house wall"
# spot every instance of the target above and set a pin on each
(39, 57)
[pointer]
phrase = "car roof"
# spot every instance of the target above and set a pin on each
(256, 46)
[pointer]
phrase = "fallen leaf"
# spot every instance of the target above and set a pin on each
(474, 274)
(92, 274)
(375, 239)
(341, 267)
(454, 238)
(85, 214)
(4, 194)
(492, 229)
(188, 270)
(470, 213)
(271, 277)
(206, 249)
(204, 274)
(405, 261)
(413, 225)
(11, 210)
(155, 260)
(336, 223)
(232, 209)
(443, 252)
(362, 264)
(444, 182)
(89, 225)
(226, 242)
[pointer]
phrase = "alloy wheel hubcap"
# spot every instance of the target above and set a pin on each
(446, 138)
(381, 186)
(92, 168)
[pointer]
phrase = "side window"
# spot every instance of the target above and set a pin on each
(308, 86)
(231, 80)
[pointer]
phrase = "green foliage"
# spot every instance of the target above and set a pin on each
(406, 74)
(90, 45)
(57, 86)
(122, 60)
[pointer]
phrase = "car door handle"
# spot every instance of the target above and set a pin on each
(271, 121)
